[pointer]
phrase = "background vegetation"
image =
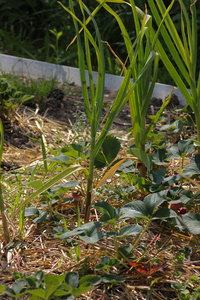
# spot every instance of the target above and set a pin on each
(42, 30)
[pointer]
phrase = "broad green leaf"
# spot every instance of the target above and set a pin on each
(125, 251)
(127, 167)
(18, 286)
(134, 209)
(158, 175)
(81, 290)
(92, 238)
(62, 291)
(110, 278)
(54, 279)
(64, 187)
(39, 292)
(194, 166)
(186, 196)
(52, 283)
(106, 260)
(90, 280)
(175, 127)
(105, 208)
(89, 228)
(41, 218)
(110, 147)
(186, 146)
(31, 211)
(100, 161)
(110, 214)
(164, 213)
(192, 222)
(130, 230)
(72, 279)
(159, 157)
(183, 147)
(152, 201)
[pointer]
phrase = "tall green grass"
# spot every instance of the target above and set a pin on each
(94, 97)
(182, 62)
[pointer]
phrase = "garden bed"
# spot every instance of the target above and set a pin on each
(60, 118)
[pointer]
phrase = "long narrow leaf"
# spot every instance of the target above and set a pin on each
(167, 62)
(81, 62)
(174, 35)
(158, 115)
(110, 173)
(44, 153)
(69, 171)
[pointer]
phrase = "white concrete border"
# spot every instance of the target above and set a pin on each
(37, 69)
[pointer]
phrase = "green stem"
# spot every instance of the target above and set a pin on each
(4, 221)
(141, 234)
(90, 176)
(198, 130)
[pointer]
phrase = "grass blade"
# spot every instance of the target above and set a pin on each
(69, 171)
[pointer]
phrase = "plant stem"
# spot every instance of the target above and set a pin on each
(142, 170)
(4, 221)
(197, 119)
(141, 234)
(90, 176)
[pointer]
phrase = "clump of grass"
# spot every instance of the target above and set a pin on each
(40, 88)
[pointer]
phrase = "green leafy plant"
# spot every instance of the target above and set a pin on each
(10, 98)
(94, 104)
(55, 47)
(30, 86)
(106, 263)
(52, 182)
(140, 98)
(148, 210)
(91, 233)
(51, 286)
(184, 291)
(184, 147)
(4, 221)
(182, 64)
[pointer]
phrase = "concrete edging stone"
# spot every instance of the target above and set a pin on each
(38, 69)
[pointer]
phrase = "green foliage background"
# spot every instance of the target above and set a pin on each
(25, 31)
